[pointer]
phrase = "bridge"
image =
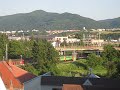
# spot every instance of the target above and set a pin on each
(78, 48)
(81, 48)
(85, 51)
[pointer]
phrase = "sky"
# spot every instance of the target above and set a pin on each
(94, 9)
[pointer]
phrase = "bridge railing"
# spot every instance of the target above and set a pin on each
(79, 48)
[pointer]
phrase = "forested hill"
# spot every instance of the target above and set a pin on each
(42, 20)
(111, 23)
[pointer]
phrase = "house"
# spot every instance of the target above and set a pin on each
(13, 32)
(18, 38)
(71, 87)
(21, 31)
(33, 84)
(77, 83)
(14, 38)
(73, 40)
(16, 62)
(61, 39)
(94, 42)
(13, 76)
(55, 44)
(68, 40)
(44, 37)
(2, 86)
(97, 42)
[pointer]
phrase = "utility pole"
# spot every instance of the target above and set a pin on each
(84, 40)
(99, 35)
(99, 38)
(3, 58)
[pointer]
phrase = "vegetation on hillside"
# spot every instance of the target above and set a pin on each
(42, 20)
(111, 23)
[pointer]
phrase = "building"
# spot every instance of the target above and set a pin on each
(16, 62)
(93, 42)
(2, 86)
(61, 39)
(14, 38)
(56, 44)
(18, 38)
(13, 76)
(73, 40)
(66, 39)
(77, 83)
(97, 42)
(71, 87)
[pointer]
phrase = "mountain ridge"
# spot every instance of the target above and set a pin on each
(43, 20)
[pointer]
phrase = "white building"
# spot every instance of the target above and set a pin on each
(68, 40)
(20, 31)
(14, 38)
(7, 32)
(97, 42)
(56, 44)
(34, 30)
(1, 31)
(13, 32)
(61, 39)
(73, 40)
(119, 40)
(18, 38)
(2, 86)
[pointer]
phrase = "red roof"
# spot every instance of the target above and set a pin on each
(14, 75)
(71, 87)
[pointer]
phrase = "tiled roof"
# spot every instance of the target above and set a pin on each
(71, 87)
(60, 80)
(99, 82)
(13, 74)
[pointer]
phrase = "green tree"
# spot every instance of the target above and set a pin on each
(109, 52)
(3, 42)
(117, 73)
(93, 60)
(64, 43)
(1, 54)
(30, 68)
(28, 48)
(79, 35)
(44, 54)
(15, 49)
(111, 57)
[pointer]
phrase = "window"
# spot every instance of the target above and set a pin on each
(57, 89)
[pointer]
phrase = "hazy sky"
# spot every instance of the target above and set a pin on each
(95, 9)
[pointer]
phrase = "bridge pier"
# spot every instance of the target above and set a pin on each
(61, 52)
(74, 56)
(64, 55)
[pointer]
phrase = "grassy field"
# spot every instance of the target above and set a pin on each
(67, 58)
(106, 32)
(79, 69)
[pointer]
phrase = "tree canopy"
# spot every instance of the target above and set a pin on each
(44, 54)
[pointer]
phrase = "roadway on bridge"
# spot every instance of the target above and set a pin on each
(74, 48)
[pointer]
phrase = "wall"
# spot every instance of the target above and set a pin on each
(2, 86)
(34, 84)
(46, 87)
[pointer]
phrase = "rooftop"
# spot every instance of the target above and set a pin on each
(96, 82)
(13, 74)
